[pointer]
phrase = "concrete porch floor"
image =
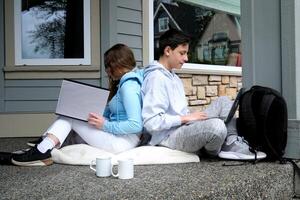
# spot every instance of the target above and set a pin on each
(208, 179)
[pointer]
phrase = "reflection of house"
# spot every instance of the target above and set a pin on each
(176, 15)
(215, 34)
(221, 37)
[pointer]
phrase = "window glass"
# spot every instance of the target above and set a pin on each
(51, 29)
(163, 24)
(215, 33)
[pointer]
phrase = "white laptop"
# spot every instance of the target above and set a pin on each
(77, 100)
(232, 111)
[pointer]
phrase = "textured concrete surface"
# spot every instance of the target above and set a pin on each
(208, 179)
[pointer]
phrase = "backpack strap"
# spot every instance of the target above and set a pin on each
(249, 118)
(247, 113)
(295, 166)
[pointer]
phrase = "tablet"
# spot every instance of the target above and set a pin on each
(77, 100)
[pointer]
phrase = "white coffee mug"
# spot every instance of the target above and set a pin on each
(103, 166)
(125, 169)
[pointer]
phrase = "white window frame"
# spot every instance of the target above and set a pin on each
(165, 21)
(148, 43)
(50, 61)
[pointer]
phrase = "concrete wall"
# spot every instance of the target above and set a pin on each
(202, 89)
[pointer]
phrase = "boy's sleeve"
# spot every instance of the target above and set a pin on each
(155, 105)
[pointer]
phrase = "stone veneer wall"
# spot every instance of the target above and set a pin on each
(200, 90)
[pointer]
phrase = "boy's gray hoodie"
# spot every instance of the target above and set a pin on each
(164, 102)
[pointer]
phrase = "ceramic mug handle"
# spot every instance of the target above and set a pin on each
(93, 163)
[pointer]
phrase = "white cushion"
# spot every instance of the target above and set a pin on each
(82, 154)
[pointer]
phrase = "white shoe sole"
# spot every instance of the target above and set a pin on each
(45, 162)
(239, 156)
(30, 144)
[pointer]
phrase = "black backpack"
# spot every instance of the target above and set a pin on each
(262, 121)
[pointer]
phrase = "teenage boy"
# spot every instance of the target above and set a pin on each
(166, 115)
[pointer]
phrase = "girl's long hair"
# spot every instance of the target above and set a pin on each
(120, 59)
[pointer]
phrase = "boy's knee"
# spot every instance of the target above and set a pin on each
(224, 99)
(217, 137)
(219, 129)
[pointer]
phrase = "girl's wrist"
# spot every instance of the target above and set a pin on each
(102, 125)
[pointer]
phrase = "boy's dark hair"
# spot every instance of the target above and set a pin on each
(172, 38)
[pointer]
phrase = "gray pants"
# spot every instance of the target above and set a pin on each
(209, 133)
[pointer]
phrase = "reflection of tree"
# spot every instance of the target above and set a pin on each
(62, 29)
(48, 8)
(50, 35)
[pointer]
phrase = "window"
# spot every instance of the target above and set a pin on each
(215, 30)
(163, 24)
(52, 32)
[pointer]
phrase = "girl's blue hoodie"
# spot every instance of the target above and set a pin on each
(123, 112)
(164, 102)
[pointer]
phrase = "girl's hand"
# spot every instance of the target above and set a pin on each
(195, 116)
(96, 120)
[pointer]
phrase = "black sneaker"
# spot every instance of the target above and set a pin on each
(32, 157)
(5, 158)
(35, 142)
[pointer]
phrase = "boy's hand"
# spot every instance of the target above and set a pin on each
(195, 116)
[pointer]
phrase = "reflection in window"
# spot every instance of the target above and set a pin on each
(44, 29)
(216, 34)
(51, 29)
(163, 24)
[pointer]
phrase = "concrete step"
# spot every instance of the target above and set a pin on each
(208, 179)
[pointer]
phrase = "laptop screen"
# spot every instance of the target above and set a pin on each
(234, 106)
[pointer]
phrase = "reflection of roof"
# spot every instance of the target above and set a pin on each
(231, 7)
(183, 15)
(222, 27)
